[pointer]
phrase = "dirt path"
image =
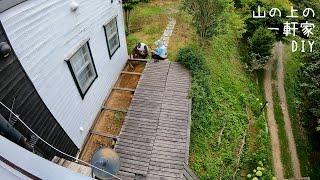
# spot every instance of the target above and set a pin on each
(273, 127)
(284, 108)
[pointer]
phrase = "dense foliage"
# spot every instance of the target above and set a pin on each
(204, 14)
(191, 58)
(128, 6)
(315, 55)
(261, 44)
(257, 37)
(221, 92)
(309, 87)
(301, 5)
(303, 82)
(310, 93)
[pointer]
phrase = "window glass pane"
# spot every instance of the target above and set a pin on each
(83, 68)
(85, 51)
(112, 35)
(86, 76)
(113, 43)
(76, 61)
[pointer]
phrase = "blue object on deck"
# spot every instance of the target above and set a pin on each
(106, 159)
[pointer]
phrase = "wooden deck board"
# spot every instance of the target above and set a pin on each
(154, 138)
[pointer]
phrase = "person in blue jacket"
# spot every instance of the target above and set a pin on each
(160, 53)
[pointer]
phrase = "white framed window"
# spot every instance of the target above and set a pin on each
(112, 36)
(82, 68)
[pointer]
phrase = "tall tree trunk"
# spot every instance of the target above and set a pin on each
(128, 23)
(126, 20)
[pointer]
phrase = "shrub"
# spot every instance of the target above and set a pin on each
(309, 88)
(204, 15)
(261, 44)
(191, 58)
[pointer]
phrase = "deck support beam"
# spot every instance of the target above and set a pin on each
(132, 73)
(114, 109)
(123, 89)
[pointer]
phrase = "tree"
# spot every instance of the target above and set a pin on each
(314, 4)
(261, 44)
(310, 93)
(309, 84)
(128, 6)
(315, 55)
(252, 24)
(204, 14)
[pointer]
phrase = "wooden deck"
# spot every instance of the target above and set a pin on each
(154, 140)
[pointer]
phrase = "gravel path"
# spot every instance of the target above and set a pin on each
(272, 124)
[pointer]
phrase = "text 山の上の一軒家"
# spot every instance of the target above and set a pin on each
(290, 28)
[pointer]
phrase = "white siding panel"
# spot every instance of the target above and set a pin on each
(43, 33)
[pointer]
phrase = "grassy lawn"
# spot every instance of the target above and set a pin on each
(149, 20)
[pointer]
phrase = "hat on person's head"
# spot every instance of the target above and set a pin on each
(159, 43)
(141, 46)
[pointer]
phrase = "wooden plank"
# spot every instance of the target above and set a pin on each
(140, 60)
(165, 175)
(141, 159)
(168, 146)
(155, 159)
(172, 129)
(172, 139)
(133, 170)
(125, 153)
(171, 132)
(114, 109)
(143, 130)
(165, 172)
(167, 165)
(131, 73)
(103, 134)
(131, 149)
(123, 89)
(126, 175)
(138, 121)
(190, 172)
(142, 165)
(188, 132)
(169, 154)
(141, 139)
(140, 124)
(172, 122)
(137, 135)
(172, 149)
(134, 164)
(187, 175)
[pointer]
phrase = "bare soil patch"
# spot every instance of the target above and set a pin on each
(110, 122)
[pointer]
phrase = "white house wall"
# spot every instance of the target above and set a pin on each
(43, 33)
